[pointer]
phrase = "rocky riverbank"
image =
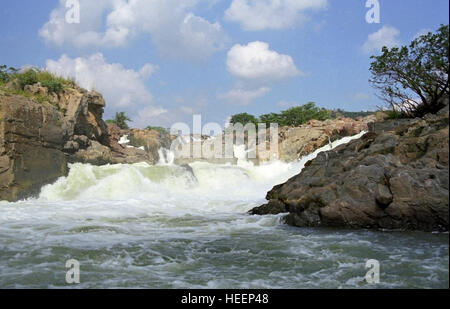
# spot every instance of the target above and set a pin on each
(395, 177)
(42, 131)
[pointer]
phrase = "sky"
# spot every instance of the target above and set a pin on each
(161, 61)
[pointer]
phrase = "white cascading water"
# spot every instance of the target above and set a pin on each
(169, 226)
(218, 183)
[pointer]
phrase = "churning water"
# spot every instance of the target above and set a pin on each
(168, 226)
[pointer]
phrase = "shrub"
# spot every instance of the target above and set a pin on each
(53, 85)
(29, 77)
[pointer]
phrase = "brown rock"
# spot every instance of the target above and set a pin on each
(31, 141)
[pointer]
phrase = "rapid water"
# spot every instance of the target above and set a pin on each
(168, 226)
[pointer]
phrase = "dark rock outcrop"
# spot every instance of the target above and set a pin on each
(395, 177)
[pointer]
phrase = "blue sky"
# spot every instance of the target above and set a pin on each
(163, 60)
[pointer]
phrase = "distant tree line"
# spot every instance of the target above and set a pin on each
(296, 116)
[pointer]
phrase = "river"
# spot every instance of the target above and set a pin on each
(167, 226)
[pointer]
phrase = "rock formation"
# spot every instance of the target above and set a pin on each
(297, 142)
(42, 131)
(395, 177)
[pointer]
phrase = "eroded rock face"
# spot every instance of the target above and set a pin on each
(38, 138)
(393, 178)
(31, 144)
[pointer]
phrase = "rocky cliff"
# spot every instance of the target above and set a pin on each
(395, 177)
(42, 131)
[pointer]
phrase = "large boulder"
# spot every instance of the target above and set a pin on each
(83, 112)
(396, 177)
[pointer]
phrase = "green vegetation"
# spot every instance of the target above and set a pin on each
(120, 120)
(299, 115)
(244, 119)
(32, 76)
(413, 80)
(294, 116)
(6, 73)
(160, 130)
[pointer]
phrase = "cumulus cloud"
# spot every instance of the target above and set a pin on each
(255, 15)
(148, 70)
(121, 87)
(150, 115)
(386, 36)
(256, 61)
(242, 96)
(173, 28)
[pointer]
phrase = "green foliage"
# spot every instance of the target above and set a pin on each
(53, 85)
(32, 76)
(120, 120)
(160, 130)
(4, 75)
(414, 78)
(294, 116)
(244, 119)
(29, 77)
(299, 115)
(271, 118)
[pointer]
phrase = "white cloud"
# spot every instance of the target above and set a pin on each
(256, 62)
(149, 116)
(121, 87)
(386, 36)
(148, 70)
(256, 15)
(241, 96)
(173, 28)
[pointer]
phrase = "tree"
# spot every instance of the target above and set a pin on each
(243, 119)
(296, 116)
(272, 118)
(120, 120)
(413, 79)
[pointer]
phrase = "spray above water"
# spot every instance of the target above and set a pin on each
(211, 183)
